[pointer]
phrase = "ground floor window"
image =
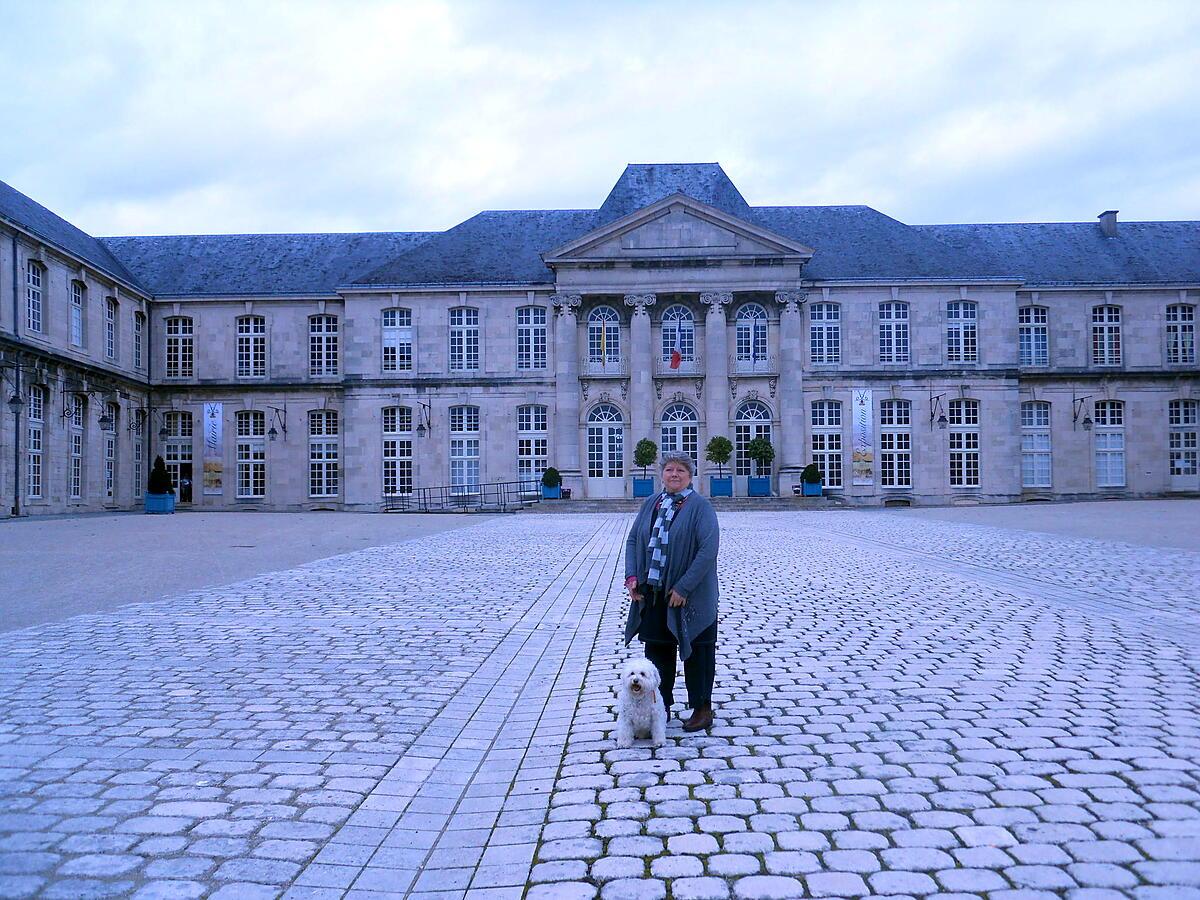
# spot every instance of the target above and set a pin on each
(964, 459)
(397, 466)
(606, 442)
(827, 455)
(139, 472)
(680, 431)
(178, 457)
(110, 466)
(532, 444)
(34, 468)
(76, 465)
(1110, 459)
(464, 465)
(895, 459)
(753, 421)
(1035, 444)
(322, 468)
(1183, 417)
(252, 469)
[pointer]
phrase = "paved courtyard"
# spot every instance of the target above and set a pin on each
(908, 707)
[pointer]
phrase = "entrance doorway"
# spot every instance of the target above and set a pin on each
(606, 452)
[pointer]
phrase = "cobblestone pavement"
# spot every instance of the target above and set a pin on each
(906, 709)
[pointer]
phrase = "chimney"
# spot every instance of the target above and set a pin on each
(1108, 222)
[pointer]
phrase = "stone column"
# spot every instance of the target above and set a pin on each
(641, 373)
(716, 366)
(791, 452)
(564, 455)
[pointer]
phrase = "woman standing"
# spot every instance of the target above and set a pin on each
(671, 577)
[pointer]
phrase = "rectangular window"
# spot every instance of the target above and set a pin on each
(893, 332)
(139, 336)
(964, 443)
(464, 451)
(1183, 417)
(251, 454)
(532, 444)
(1181, 335)
(139, 471)
(1036, 461)
(743, 434)
(464, 340)
(252, 347)
(825, 333)
(177, 453)
(78, 418)
(895, 444)
(1106, 336)
(78, 303)
(110, 466)
(962, 338)
(531, 337)
(180, 350)
(322, 346)
(1110, 459)
(397, 340)
(397, 450)
(110, 328)
(827, 441)
(323, 453)
(34, 465)
(33, 296)
(1033, 335)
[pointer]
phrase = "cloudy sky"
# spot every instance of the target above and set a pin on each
(204, 116)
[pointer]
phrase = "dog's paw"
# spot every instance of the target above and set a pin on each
(624, 743)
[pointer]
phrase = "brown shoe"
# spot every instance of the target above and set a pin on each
(701, 719)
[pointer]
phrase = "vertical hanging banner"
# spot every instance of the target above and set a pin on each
(863, 438)
(214, 445)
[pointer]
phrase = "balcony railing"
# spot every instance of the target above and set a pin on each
(692, 366)
(763, 365)
(597, 366)
(496, 496)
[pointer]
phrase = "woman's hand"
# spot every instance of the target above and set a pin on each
(631, 587)
(677, 599)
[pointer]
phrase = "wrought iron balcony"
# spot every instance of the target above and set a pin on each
(689, 366)
(762, 365)
(599, 367)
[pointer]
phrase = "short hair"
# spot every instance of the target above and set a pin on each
(684, 459)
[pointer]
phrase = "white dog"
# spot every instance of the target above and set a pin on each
(640, 710)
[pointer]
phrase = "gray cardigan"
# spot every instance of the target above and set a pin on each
(691, 567)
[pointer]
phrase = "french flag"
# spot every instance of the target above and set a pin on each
(676, 352)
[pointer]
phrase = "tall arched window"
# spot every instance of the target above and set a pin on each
(606, 442)
(464, 449)
(1183, 418)
(678, 336)
(681, 431)
(323, 470)
(751, 339)
(397, 450)
(895, 443)
(251, 454)
(827, 441)
(532, 444)
(177, 453)
(1035, 444)
(964, 443)
(825, 333)
(962, 336)
(1110, 443)
(251, 347)
(753, 420)
(604, 337)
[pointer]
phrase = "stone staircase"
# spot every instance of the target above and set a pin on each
(722, 504)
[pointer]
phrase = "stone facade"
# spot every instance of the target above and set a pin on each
(949, 372)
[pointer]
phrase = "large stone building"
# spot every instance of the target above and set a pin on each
(913, 364)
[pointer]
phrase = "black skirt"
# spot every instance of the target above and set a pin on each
(654, 630)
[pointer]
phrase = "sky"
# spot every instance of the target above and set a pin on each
(174, 117)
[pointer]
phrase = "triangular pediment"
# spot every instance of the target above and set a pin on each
(677, 227)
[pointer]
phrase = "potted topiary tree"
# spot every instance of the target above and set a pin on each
(159, 498)
(644, 455)
(761, 452)
(551, 484)
(718, 451)
(810, 478)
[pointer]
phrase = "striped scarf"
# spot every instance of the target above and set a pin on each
(668, 505)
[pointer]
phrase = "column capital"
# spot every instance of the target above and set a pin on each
(791, 301)
(716, 301)
(566, 303)
(641, 303)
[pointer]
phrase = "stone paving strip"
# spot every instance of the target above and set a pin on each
(906, 710)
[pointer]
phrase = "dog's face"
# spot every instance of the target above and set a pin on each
(640, 677)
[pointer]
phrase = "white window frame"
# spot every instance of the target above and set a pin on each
(178, 448)
(1033, 336)
(1183, 421)
(323, 345)
(964, 418)
(396, 336)
(531, 337)
(604, 336)
(464, 339)
(112, 345)
(533, 443)
(1181, 334)
(677, 319)
(139, 337)
(1109, 443)
(962, 331)
(465, 461)
(78, 444)
(895, 443)
(751, 346)
(1106, 335)
(753, 420)
(78, 314)
(825, 442)
(251, 451)
(35, 459)
(894, 343)
(679, 431)
(324, 479)
(825, 334)
(180, 356)
(35, 276)
(397, 424)
(1037, 461)
(252, 346)
(111, 453)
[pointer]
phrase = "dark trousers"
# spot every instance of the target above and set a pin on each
(699, 669)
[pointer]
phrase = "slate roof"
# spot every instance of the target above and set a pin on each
(258, 264)
(644, 183)
(494, 247)
(55, 230)
(1078, 252)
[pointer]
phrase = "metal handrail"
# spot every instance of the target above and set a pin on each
(494, 496)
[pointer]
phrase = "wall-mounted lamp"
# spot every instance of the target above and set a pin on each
(107, 422)
(1077, 410)
(425, 426)
(142, 414)
(278, 417)
(936, 412)
(15, 402)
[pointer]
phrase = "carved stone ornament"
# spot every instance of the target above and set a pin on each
(716, 301)
(791, 301)
(641, 303)
(566, 303)
(733, 388)
(699, 388)
(752, 395)
(771, 382)
(604, 397)
(677, 396)
(583, 384)
(658, 386)
(624, 388)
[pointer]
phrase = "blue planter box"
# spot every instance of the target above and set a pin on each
(551, 493)
(159, 504)
(758, 486)
(720, 487)
(812, 488)
(643, 487)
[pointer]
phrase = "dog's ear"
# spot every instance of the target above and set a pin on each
(655, 677)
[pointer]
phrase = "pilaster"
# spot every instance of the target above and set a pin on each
(641, 392)
(565, 452)
(716, 363)
(792, 451)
